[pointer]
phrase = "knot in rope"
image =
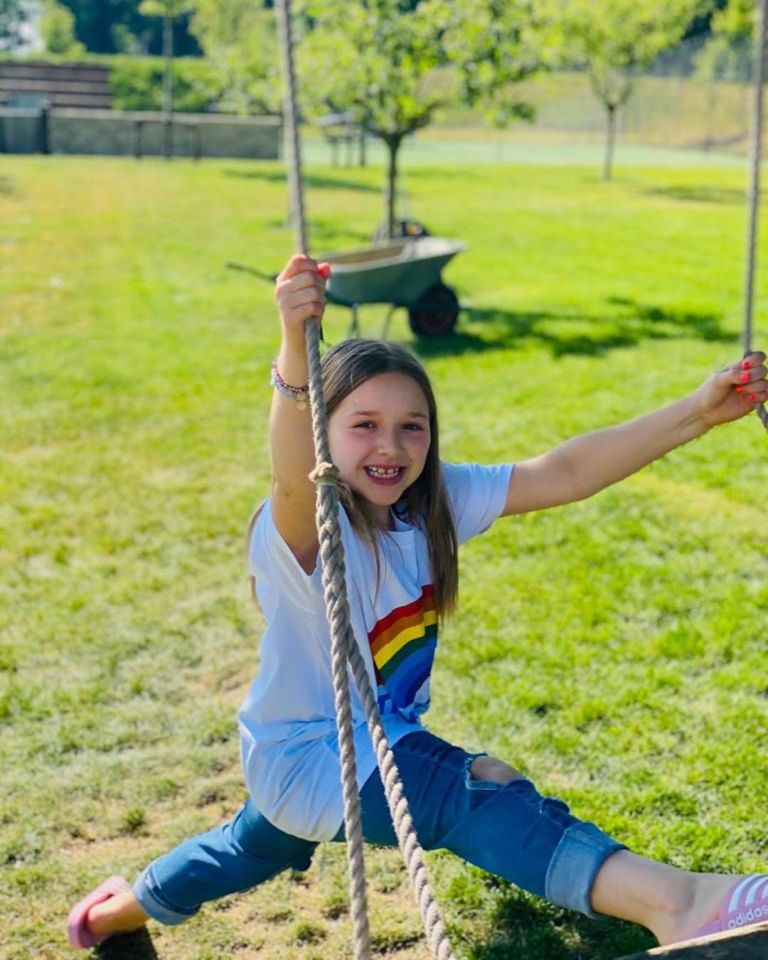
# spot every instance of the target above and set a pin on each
(325, 474)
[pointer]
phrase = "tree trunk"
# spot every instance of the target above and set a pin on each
(361, 158)
(168, 87)
(610, 139)
(168, 72)
(393, 142)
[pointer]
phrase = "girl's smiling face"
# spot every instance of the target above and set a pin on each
(379, 437)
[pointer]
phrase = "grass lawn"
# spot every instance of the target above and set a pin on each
(614, 650)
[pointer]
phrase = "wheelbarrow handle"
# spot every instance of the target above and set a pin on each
(323, 269)
(253, 271)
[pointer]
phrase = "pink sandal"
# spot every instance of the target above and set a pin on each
(745, 904)
(78, 933)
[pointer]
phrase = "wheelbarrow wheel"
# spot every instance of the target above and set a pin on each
(435, 312)
(403, 229)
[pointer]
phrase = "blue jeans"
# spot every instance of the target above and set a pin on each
(507, 829)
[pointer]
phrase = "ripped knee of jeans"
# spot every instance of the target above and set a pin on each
(486, 772)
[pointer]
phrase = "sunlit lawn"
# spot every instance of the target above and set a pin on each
(614, 650)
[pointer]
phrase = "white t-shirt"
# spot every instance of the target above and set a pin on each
(288, 730)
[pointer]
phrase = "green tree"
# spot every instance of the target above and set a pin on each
(13, 16)
(118, 26)
(378, 64)
(240, 43)
(494, 45)
(615, 39)
(391, 64)
(729, 55)
(169, 10)
(57, 27)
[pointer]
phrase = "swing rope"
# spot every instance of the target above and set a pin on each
(344, 648)
(754, 184)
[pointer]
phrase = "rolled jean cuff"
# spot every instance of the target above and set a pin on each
(146, 892)
(578, 857)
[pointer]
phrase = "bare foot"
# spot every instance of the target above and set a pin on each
(118, 914)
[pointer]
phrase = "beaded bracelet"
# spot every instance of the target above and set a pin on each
(299, 394)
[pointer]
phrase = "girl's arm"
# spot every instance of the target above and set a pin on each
(299, 293)
(581, 467)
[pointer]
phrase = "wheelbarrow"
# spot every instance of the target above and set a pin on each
(403, 273)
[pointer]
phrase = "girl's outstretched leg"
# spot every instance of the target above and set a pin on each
(231, 858)
(488, 814)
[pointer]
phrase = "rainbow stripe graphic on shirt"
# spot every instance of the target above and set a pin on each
(403, 646)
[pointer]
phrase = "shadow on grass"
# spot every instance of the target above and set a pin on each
(311, 180)
(523, 928)
(570, 334)
(722, 195)
(128, 946)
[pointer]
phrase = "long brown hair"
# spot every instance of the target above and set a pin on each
(344, 368)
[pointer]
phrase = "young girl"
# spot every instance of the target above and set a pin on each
(404, 513)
